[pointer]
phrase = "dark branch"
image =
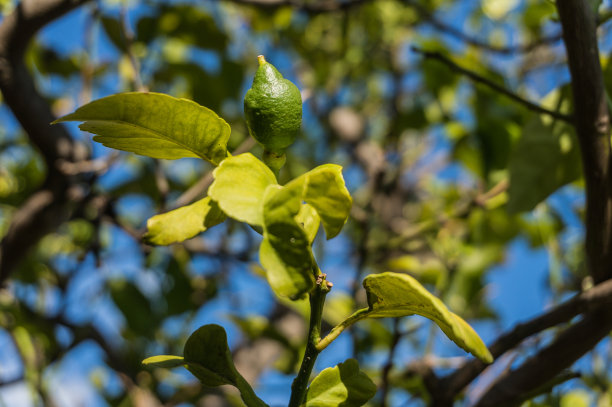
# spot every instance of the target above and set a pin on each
(437, 56)
(592, 123)
(46, 209)
(440, 25)
(320, 6)
(550, 361)
(597, 297)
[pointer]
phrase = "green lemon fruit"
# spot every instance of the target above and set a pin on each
(273, 109)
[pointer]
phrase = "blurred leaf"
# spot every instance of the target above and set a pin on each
(155, 125)
(135, 307)
(541, 163)
(48, 61)
(191, 24)
(183, 223)
(343, 385)
(576, 398)
(396, 295)
(113, 30)
(239, 186)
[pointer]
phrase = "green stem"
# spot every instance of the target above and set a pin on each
(247, 394)
(300, 384)
(337, 330)
(274, 161)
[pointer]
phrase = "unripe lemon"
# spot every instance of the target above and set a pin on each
(273, 109)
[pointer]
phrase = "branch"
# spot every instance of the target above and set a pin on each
(437, 56)
(588, 301)
(568, 347)
(46, 209)
(308, 6)
(476, 41)
(16, 84)
(592, 123)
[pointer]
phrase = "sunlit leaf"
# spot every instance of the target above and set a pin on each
(183, 223)
(308, 218)
(285, 251)
(164, 361)
(343, 385)
(397, 295)
(239, 186)
(323, 188)
(155, 125)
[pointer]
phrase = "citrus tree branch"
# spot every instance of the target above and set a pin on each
(437, 56)
(311, 7)
(597, 297)
(48, 207)
(457, 33)
(592, 122)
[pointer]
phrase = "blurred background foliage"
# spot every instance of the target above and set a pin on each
(453, 182)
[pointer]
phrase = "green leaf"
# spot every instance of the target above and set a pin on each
(323, 188)
(155, 125)
(543, 161)
(239, 186)
(165, 361)
(183, 223)
(209, 359)
(397, 295)
(343, 385)
(285, 250)
(308, 218)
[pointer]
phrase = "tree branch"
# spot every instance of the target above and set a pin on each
(437, 56)
(592, 123)
(431, 19)
(597, 297)
(548, 362)
(308, 6)
(47, 208)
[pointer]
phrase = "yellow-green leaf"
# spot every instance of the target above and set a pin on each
(239, 186)
(397, 295)
(323, 188)
(309, 219)
(155, 125)
(164, 361)
(183, 223)
(285, 251)
(343, 385)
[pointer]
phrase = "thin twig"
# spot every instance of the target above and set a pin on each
(128, 37)
(437, 56)
(310, 7)
(431, 19)
(386, 370)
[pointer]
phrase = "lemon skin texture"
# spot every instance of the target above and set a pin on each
(273, 109)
